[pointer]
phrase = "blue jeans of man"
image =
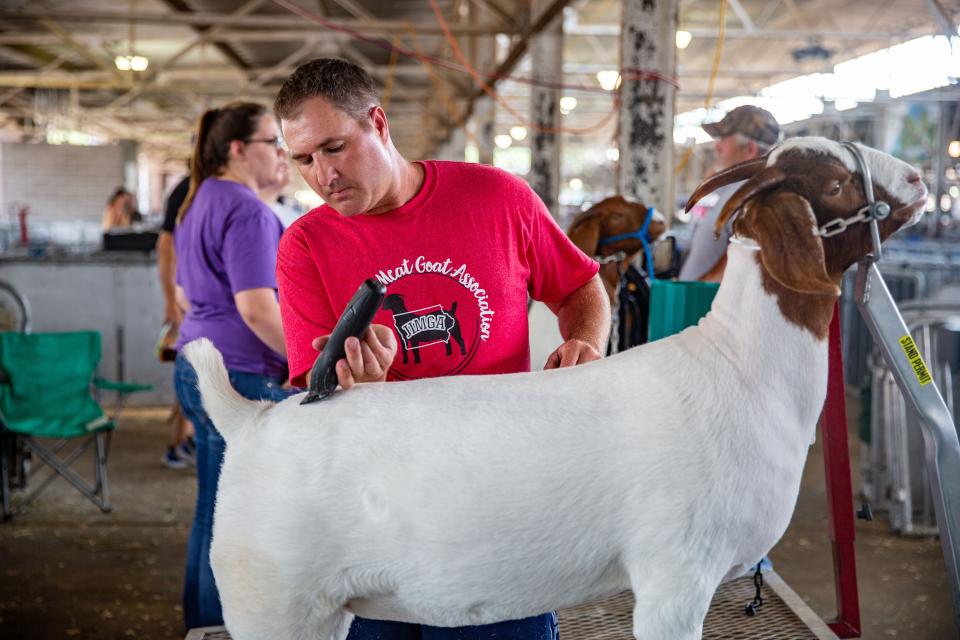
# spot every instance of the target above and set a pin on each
(201, 600)
(542, 627)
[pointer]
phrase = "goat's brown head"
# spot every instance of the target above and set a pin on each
(609, 218)
(802, 185)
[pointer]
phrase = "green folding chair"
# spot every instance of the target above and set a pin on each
(46, 384)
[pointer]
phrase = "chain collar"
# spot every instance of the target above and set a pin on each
(871, 213)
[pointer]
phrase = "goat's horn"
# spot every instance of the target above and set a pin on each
(736, 173)
(763, 181)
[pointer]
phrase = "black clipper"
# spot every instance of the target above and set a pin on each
(353, 322)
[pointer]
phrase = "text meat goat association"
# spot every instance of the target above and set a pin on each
(469, 500)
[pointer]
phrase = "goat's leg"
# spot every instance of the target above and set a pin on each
(671, 605)
(322, 624)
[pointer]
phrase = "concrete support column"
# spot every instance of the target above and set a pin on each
(647, 106)
(484, 127)
(485, 109)
(454, 148)
(131, 170)
(546, 52)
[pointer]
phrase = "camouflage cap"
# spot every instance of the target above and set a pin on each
(753, 122)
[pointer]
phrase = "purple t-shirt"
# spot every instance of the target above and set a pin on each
(227, 243)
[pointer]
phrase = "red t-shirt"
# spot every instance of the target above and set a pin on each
(458, 260)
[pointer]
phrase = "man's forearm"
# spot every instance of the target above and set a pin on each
(585, 315)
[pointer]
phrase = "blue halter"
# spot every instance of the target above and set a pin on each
(643, 235)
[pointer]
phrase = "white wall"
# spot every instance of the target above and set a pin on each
(102, 296)
(61, 182)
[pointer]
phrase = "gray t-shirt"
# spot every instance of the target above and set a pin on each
(705, 251)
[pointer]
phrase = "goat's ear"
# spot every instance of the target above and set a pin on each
(783, 225)
(585, 233)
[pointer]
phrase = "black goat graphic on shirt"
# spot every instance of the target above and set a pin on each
(424, 327)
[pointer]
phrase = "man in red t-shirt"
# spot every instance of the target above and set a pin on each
(459, 246)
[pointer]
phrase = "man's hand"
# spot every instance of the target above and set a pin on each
(367, 360)
(584, 319)
(572, 352)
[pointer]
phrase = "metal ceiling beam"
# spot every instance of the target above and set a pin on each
(207, 19)
(82, 49)
(231, 54)
(742, 15)
(495, 9)
(613, 30)
(354, 9)
(284, 66)
(516, 53)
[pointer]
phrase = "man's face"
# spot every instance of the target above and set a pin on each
(346, 162)
(729, 150)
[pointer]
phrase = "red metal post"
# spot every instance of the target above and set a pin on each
(836, 457)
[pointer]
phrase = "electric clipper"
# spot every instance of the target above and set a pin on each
(353, 322)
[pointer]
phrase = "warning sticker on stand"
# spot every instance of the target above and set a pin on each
(916, 360)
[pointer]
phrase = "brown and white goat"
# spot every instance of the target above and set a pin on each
(474, 499)
(611, 217)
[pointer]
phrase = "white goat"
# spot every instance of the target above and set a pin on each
(470, 500)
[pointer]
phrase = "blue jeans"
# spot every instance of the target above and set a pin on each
(201, 600)
(543, 627)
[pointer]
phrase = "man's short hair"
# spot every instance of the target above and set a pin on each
(344, 84)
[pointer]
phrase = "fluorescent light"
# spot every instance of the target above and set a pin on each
(953, 149)
(503, 140)
(518, 132)
(131, 63)
(567, 104)
(613, 154)
(608, 79)
(576, 184)
(683, 39)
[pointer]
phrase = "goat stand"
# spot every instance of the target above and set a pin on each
(916, 384)
(836, 458)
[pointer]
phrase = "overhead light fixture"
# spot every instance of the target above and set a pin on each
(518, 132)
(567, 104)
(131, 63)
(683, 39)
(953, 149)
(613, 154)
(576, 184)
(608, 79)
(503, 140)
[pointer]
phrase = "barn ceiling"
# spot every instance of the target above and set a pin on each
(57, 65)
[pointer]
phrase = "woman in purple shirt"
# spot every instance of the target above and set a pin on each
(226, 246)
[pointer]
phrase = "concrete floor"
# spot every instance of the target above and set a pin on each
(68, 571)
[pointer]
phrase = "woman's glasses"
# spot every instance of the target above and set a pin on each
(276, 141)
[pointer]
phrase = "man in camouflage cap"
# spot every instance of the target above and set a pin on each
(745, 133)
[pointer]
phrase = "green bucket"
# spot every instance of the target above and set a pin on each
(676, 305)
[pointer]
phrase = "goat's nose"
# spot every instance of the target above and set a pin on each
(913, 177)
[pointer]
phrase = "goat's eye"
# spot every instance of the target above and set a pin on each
(834, 189)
